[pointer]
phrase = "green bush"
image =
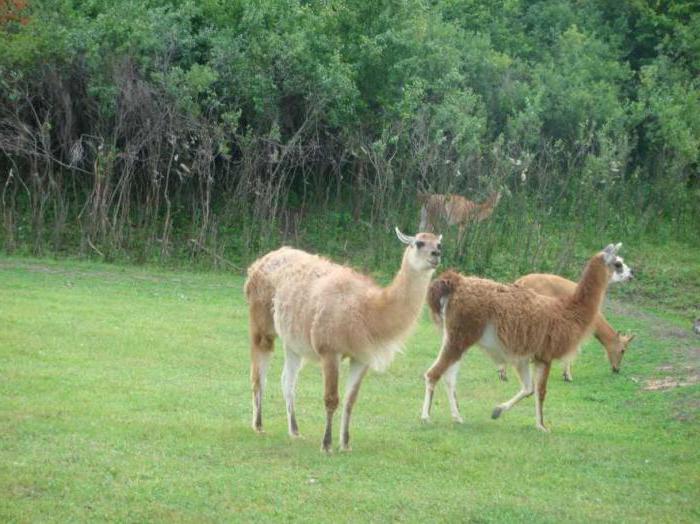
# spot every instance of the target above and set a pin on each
(203, 130)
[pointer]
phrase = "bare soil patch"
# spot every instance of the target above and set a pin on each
(659, 327)
(685, 371)
(684, 367)
(664, 383)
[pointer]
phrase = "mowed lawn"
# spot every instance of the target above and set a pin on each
(124, 395)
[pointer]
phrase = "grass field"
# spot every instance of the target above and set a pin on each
(124, 396)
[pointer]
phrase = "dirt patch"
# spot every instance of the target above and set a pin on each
(684, 372)
(672, 332)
(683, 369)
(686, 409)
(659, 327)
(665, 383)
(694, 355)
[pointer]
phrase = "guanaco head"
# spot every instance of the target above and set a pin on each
(619, 271)
(424, 250)
(617, 351)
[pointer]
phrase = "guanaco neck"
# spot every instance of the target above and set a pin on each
(590, 290)
(393, 310)
(606, 334)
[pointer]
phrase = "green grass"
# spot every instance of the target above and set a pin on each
(124, 396)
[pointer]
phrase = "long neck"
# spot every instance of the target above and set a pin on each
(590, 290)
(393, 310)
(605, 333)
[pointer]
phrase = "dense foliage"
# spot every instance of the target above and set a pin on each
(159, 129)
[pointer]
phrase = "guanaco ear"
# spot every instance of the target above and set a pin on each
(613, 248)
(610, 252)
(405, 238)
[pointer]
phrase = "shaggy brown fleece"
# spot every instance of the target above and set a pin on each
(615, 343)
(526, 323)
(512, 324)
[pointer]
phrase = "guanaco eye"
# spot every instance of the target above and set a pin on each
(420, 244)
(618, 264)
(439, 247)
